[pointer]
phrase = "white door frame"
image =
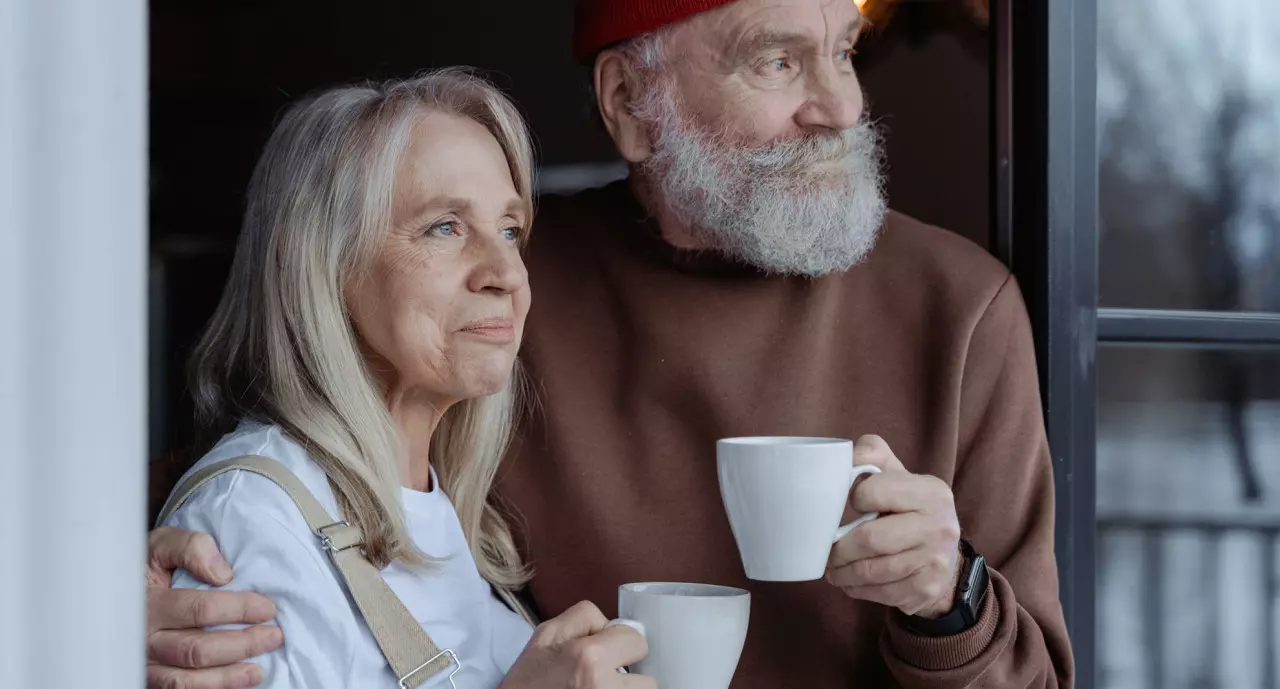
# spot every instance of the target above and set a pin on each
(73, 241)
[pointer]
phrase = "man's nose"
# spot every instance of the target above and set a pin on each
(835, 101)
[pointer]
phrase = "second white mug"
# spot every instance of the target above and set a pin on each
(695, 631)
(784, 497)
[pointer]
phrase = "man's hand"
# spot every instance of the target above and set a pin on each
(180, 654)
(908, 557)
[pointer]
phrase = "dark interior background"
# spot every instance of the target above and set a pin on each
(222, 70)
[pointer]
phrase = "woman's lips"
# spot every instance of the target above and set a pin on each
(497, 330)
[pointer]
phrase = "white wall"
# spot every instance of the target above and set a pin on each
(72, 348)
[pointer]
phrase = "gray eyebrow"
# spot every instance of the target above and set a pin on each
(763, 40)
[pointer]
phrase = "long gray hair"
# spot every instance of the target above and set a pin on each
(281, 346)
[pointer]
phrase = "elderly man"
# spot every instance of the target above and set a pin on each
(747, 280)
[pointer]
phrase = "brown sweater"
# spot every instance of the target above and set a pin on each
(642, 356)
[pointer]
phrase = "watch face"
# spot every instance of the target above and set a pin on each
(971, 593)
(974, 585)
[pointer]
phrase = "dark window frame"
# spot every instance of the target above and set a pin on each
(1046, 209)
(1199, 329)
(1045, 215)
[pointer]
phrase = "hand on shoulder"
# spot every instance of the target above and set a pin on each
(180, 653)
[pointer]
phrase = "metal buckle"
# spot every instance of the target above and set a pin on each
(455, 663)
(325, 542)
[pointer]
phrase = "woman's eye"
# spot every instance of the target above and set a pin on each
(513, 233)
(780, 64)
(444, 229)
(847, 54)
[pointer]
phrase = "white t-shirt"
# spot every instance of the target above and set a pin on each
(263, 536)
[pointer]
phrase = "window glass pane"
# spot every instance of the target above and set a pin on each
(1189, 154)
(1188, 518)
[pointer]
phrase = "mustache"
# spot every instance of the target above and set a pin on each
(798, 155)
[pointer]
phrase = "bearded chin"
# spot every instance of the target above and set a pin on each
(793, 208)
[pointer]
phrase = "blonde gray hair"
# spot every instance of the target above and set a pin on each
(281, 346)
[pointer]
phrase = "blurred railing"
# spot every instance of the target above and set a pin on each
(1154, 530)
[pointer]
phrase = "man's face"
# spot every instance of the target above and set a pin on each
(761, 71)
(756, 143)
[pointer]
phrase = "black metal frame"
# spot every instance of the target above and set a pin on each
(1217, 330)
(1001, 131)
(1044, 57)
(1044, 127)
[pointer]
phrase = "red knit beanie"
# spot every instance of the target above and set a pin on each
(599, 24)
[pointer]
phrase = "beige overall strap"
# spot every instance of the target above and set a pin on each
(412, 654)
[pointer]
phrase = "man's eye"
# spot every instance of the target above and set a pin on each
(847, 54)
(775, 66)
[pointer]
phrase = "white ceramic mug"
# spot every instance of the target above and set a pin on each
(695, 631)
(785, 497)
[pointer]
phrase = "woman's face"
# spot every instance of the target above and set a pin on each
(442, 310)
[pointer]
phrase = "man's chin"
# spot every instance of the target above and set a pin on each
(814, 248)
(823, 178)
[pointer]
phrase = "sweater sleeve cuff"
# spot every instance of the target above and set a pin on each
(946, 652)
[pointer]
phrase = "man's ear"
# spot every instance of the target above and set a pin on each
(615, 84)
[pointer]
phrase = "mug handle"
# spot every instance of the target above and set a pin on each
(623, 622)
(855, 472)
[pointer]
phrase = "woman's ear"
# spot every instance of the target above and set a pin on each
(615, 85)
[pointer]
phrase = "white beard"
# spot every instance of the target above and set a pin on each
(798, 207)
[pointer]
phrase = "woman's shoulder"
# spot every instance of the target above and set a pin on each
(261, 533)
(239, 498)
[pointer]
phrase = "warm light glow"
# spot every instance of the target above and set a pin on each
(879, 12)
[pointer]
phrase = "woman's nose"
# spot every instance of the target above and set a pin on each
(501, 269)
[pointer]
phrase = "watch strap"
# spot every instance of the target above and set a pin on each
(971, 592)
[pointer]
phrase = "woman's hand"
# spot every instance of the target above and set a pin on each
(575, 651)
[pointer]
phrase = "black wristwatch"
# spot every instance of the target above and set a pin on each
(971, 592)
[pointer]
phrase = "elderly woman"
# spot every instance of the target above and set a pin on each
(366, 342)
